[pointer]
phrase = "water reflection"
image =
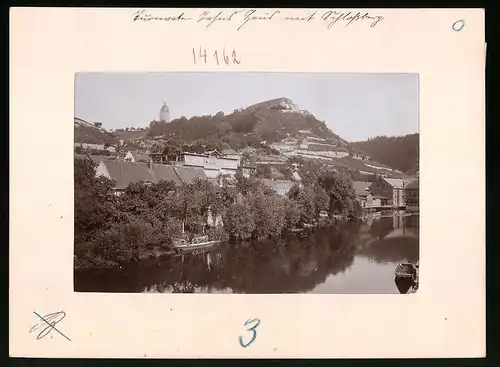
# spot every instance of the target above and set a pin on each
(326, 260)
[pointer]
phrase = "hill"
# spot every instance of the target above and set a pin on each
(265, 122)
(85, 132)
(399, 152)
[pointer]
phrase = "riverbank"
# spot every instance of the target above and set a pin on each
(351, 258)
(143, 221)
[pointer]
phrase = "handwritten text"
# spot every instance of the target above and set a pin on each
(243, 18)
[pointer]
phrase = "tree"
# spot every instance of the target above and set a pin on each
(239, 220)
(339, 188)
(95, 202)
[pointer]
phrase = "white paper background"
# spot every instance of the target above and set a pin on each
(445, 318)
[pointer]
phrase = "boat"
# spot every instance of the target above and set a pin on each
(405, 270)
(199, 242)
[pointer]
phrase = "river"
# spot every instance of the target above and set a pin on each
(352, 259)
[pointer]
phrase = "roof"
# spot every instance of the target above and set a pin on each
(98, 158)
(195, 154)
(189, 174)
(413, 185)
(213, 152)
(361, 187)
(397, 183)
(229, 152)
(379, 197)
(165, 172)
(276, 174)
(125, 173)
(140, 156)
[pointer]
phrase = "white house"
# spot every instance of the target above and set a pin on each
(398, 190)
(365, 197)
(230, 153)
(212, 163)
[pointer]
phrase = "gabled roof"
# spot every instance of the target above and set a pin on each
(140, 156)
(98, 158)
(276, 174)
(189, 174)
(164, 172)
(214, 152)
(125, 173)
(195, 154)
(398, 183)
(361, 187)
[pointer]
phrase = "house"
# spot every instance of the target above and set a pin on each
(195, 159)
(230, 153)
(412, 195)
(392, 188)
(366, 198)
(213, 163)
(363, 194)
(89, 146)
(124, 173)
(98, 124)
(281, 187)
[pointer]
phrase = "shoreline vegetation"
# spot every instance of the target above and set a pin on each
(111, 230)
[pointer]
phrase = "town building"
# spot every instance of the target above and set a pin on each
(213, 163)
(124, 173)
(363, 194)
(89, 146)
(366, 198)
(412, 195)
(393, 189)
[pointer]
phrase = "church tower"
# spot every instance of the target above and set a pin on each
(164, 113)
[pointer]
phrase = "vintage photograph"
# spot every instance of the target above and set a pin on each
(246, 183)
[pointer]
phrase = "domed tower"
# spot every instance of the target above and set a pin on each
(164, 113)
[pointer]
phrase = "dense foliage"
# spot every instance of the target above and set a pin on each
(397, 152)
(111, 230)
(239, 129)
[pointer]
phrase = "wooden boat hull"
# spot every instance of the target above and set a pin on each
(405, 271)
(196, 246)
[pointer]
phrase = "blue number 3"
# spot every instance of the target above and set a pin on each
(252, 329)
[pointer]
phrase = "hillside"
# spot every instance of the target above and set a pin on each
(85, 132)
(279, 121)
(266, 122)
(398, 152)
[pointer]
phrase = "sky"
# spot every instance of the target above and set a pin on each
(354, 106)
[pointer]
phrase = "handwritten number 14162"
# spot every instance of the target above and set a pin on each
(218, 57)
